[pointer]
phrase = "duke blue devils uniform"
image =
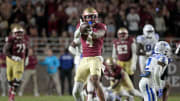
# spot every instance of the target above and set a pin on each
(155, 65)
(148, 47)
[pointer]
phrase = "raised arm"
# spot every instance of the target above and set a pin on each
(134, 56)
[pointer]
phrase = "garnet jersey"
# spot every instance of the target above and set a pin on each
(113, 75)
(93, 47)
(123, 48)
(32, 62)
(3, 58)
(18, 46)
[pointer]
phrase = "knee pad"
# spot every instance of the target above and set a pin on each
(90, 90)
(94, 80)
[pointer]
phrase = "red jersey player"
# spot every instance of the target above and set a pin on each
(92, 35)
(124, 50)
(121, 84)
(15, 50)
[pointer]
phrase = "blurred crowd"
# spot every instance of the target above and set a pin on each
(52, 18)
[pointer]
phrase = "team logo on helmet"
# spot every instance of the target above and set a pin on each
(110, 61)
(162, 47)
(90, 14)
(122, 33)
(18, 31)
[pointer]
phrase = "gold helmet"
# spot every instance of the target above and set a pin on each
(122, 33)
(18, 31)
(90, 14)
(110, 61)
(17, 28)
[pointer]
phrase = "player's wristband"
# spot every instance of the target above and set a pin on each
(147, 73)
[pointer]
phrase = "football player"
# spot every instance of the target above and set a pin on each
(124, 50)
(121, 84)
(92, 35)
(146, 44)
(15, 49)
(156, 65)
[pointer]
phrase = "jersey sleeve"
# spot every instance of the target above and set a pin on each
(77, 35)
(164, 60)
(157, 37)
(149, 63)
(9, 39)
(102, 26)
(139, 39)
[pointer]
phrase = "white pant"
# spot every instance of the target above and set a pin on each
(147, 90)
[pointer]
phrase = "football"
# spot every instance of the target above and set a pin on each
(84, 27)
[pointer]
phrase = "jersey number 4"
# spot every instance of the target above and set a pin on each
(122, 49)
(21, 48)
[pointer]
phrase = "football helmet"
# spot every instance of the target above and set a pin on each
(90, 15)
(122, 33)
(110, 61)
(18, 31)
(148, 31)
(162, 47)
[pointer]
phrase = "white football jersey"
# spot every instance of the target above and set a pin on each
(148, 44)
(157, 70)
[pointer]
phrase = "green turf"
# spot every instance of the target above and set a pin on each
(64, 98)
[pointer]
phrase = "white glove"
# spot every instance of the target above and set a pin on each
(81, 22)
(109, 88)
(148, 53)
(177, 49)
(16, 58)
(26, 61)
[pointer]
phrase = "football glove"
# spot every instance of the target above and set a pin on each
(160, 93)
(16, 58)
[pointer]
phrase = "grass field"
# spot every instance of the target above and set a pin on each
(63, 98)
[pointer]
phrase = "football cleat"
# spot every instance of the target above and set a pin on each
(11, 97)
(9, 92)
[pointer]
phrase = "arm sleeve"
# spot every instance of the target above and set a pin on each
(101, 32)
(157, 77)
(72, 50)
(134, 56)
(114, 52)
(7, 47)
(77, 35)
